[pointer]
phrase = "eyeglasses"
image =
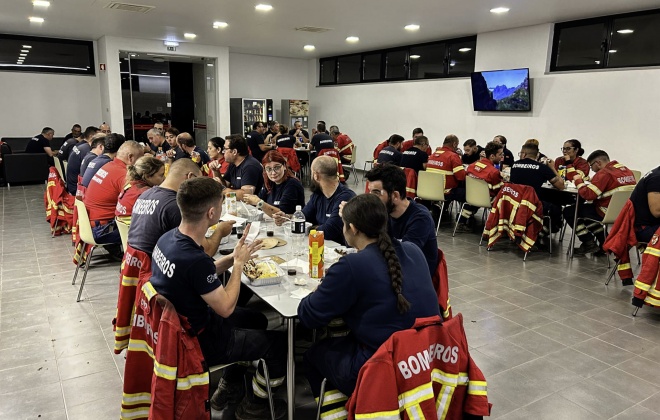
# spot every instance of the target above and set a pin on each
(591, 165)
(567, 149)
(273, 169)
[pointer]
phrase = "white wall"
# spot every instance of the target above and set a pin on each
(610, 110)
(31, 101)
(261, 77)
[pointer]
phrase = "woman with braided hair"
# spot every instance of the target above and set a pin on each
(377, 291)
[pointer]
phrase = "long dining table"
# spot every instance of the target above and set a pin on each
(567, 196)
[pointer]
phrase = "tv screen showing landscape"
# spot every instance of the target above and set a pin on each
(501, 90)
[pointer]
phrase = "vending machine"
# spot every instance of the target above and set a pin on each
(295, 110)
(244, 112)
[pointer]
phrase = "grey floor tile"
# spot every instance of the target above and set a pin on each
(550, 311)
(553, 407)
(93, 387)
(39, 399)
(26, 377)
(526, 318)
(627, 341)
(636, 413)
(562, 333)
(501, 326)
(507, 353)
(608, 317)
(495, 305)
(596, 399)
(26, 355)
(642, 368)
(103, 409)
(518, 388)
(35, 336)
(85, 363)
(651, 403)
(624, 384)
(536, 343)
(603, 351)
(577, 362)
(587, 325)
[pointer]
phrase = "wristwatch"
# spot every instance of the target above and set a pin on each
(260, 204)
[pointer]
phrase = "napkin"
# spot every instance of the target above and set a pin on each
(301, 266)
(228, 217)
(254, 232)
(300, 293)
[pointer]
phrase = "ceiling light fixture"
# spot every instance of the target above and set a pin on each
(414, 56)
(41, 3)
(499, 10)
(309, 48)
(23, 55)
(219, 25)
(597, 62)
(263, 7)
(34, 19)
(209, 64)
(466, 49)
(189, 35)
(27, 46)
(169, 44)
(352, 39)
(411, 27)
(625, 31)
(452, 64)
(164, 74)
(25, 51)
(612, 51)
(133, 55)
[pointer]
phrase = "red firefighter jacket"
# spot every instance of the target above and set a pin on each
(621, 238)
(447, 162)
(345, 146)
(335, 155)
(613, 177)
(165, 377)
(518, 212)
(380, 147)
(441, 285)
(127, 199)
(411, 182)
(59, 204)
(422, 372)
(291, 158)
(647, 287)
(485, 170)
(578, 166)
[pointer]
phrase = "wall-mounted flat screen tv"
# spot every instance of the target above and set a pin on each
(501, 90)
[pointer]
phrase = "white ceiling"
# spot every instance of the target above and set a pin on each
(378, 23)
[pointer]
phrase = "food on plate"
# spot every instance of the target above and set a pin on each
(259, 270)
(341, 251)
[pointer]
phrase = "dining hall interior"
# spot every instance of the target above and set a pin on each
(553, 340)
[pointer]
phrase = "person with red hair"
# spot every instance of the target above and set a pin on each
(282, 191)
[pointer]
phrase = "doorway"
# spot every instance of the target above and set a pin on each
(178, 91)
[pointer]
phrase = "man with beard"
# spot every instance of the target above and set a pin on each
(322, 209)
(255, 140)
(409, 221)
(244, 172)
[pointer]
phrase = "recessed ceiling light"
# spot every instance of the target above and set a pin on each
(411, 27)
(612, 51)
(309, 48)
(597, 62)
(41, 3)
(25, 51)
(189, 35)
(452, 64)
(34, 19)
(499, 10)
(164, 74)
(171, 43)
(625, 31)
(263, 7)
(466, 49)
(414, 56)
(352, 39)
(209, 64)
(217, 25)
(133, 55)
(23, 54)
(27, 46)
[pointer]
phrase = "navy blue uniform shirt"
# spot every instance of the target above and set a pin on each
(285, 196)
(249, 172)
(324, 212)
(416, 226)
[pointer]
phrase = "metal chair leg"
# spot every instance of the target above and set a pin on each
(635, 311)
(75, 274)
(318, 409)
(87, 263)
(268, 388)
(458, 219)
(611, 275)
(442, 208)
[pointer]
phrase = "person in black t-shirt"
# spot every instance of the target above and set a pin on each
(191, 151)
(646, 201)
(283, 139)
(508, 156)
(255, 141)
(416, 157)
(184, 274)
(245, 173)
(471, 152)
(97, 149)
(321, 140)
(78, 153)
(391, 153)
(298, 132)
(157, 146)
(272, 131)
(76, 133)
(41, 144)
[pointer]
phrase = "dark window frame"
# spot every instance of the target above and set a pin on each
(91, 71)
(334, 71)
(606, 45)
(383, 52)
(338, 69)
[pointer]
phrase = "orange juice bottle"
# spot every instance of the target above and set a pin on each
(316, 240)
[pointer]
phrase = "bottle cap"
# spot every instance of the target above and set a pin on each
(298, 208)
(312, 232)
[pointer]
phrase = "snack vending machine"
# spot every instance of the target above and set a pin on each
(295, 110)
(244, 112)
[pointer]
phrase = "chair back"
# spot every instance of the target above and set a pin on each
(617, 202)
(84, 225)
(636, 174)
(431, 186)
(58, 166)
(291, 158)
(354, 155)
(477, 192)
(123, 232)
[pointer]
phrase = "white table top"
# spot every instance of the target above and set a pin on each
(278, 296)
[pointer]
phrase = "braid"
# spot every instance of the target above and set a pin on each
(394, 269)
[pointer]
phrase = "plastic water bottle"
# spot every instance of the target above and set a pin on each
(298, 232)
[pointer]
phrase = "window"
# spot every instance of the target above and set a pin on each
(348, 68)
(431, 60)
(46, 55)
(626, 40)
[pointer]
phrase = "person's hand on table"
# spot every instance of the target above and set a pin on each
(251, 199)
(225, 227)
(280, 217)
(170, 153)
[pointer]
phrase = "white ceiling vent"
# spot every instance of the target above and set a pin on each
(312, 29)
(138, 8)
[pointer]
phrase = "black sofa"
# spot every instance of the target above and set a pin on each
(22, 168)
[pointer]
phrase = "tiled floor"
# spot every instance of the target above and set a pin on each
(553, 341)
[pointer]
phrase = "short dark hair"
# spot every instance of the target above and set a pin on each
(450, 139)
(321, 126)
(113, 142)
(392, 177)
(502, 138)
(420, 140)
(470, 143)
(256, 124)
(217, 142)
(196, 196)
(597, 154)
(238, 143)
(531, 149)
(47, 130)
(417, 130)
(335, 130)
(492, 148)
(395, 139)
(576, 143)
(98, 139)
(76, 126)
(173, 131)
(90, 131)
(271, 124)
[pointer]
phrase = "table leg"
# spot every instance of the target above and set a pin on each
(290, 368)
(575, 222)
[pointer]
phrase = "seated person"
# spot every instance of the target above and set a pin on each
(535, 142)
(283, 139)
(174, 151)
(255, 141)
(299, 133)
(446, 161)
(392, 152)
(322, 209)
(282, 190)
(217, 167)
(381, 289)
(111, 145)
(157, 146)
(273, 130)
(610, 176)
(191, 151)
(408, 144)
(77, 155)
(415, 158)
(529, 171)
(97, 150)
(485, 170)
(147, 172)
(573, 161)
(71, 139)
(245, 173)
(646, 201)
(409, 221)
(321, 140)
(343, 144)
(184, 274)
(508, 156)
(472, 152)
(41, 144)
(380, 147)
